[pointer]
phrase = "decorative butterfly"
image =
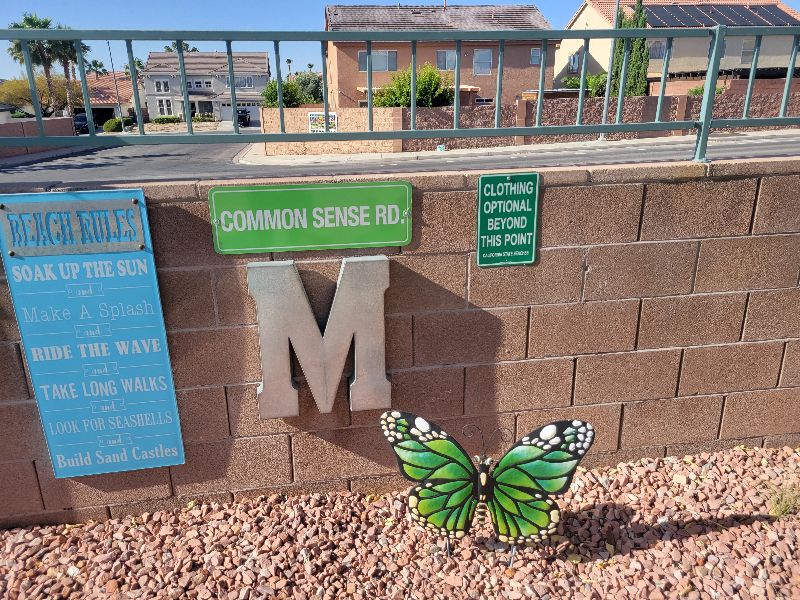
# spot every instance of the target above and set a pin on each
(517, 492)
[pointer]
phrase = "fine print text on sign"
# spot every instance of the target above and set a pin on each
(83, 282)
(508, 206)
(284, 218)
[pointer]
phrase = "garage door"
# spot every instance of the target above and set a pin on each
(252, 108)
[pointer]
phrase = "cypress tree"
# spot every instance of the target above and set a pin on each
(639, 58)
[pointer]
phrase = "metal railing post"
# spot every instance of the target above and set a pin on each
(87, 103)
(135, 84)
(414, 84)
(325, 106)
(582, 90)
(232, 80)
(787, 88)
(498, 100)
(277, 48)
(623, 79)
(607, 98)
(709, 93)
(457, 86)
(540, 95)
(751, 79)
(187, 109)
(37, 109)
(663, 84)
(369, 85)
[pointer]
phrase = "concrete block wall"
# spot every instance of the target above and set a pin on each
(664, 307)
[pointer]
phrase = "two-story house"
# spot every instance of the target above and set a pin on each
(347, 61)
(689, 60)
(207, 83)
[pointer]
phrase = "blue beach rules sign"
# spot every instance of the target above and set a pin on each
(83, 281)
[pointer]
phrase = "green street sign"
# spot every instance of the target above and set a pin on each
(323, 216)
(508, 206)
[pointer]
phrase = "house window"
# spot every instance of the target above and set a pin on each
(382, 60)
(748, 48)
(484, 100)
(198, 84)
(536, 56)
(446, 60)
(482, 62)
(188, 85)
(241, 82)
(208, 84)
(657, 50)
(162, 85)
(573, 62)
(164, 106)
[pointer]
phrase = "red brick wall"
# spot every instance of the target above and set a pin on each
(664, 307)
(28, 128)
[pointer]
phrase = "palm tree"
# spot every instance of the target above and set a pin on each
(64, 52)
(310, 66)
(173, 47)
(139, 67)
(289, 64)
(41, 51)
(97, 67)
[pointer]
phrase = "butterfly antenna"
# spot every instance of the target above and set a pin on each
(505, 435)
(469, 431)
(513, 554)
(449, 551)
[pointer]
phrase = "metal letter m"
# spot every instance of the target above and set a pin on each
(285, 315)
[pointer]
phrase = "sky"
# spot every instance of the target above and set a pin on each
(297, 15)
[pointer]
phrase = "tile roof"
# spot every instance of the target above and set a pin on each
(606, 7)
(467, 18)
(103, 91)
(204, 63)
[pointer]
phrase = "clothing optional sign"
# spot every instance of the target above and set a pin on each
(285, 218)
(508, 206)
(83, 281)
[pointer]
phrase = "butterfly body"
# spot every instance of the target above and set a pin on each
(516, 491)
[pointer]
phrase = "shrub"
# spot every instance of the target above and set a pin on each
(433, 88)
(18, 114)
(310, 85)
(595, 84)
(165, 119)
(698, 91)
(115, 124)
(203, 118)
(293, 95)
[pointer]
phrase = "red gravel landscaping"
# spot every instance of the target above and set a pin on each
(693, 527)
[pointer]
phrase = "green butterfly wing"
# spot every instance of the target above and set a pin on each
(446, 498)
(541, 464)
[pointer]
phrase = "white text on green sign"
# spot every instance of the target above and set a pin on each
(310, 217)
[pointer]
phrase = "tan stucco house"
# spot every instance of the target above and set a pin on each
(689, 59)
(347, 77)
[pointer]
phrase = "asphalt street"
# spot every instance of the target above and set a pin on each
(183, 161)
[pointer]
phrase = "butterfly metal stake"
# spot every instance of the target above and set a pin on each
(518, 492)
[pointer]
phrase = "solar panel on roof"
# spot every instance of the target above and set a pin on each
(713, 11)
(779, 16)
(746, 16)
(682, 15)
(652, 18)
(701, 17)
(665, 16)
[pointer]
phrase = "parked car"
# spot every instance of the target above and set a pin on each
(243, 116)
(81, 123)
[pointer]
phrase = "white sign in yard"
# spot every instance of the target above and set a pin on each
(316, 122)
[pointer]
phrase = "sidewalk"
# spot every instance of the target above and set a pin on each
(254, 154)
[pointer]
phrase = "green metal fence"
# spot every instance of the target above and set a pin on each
(703, 125)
